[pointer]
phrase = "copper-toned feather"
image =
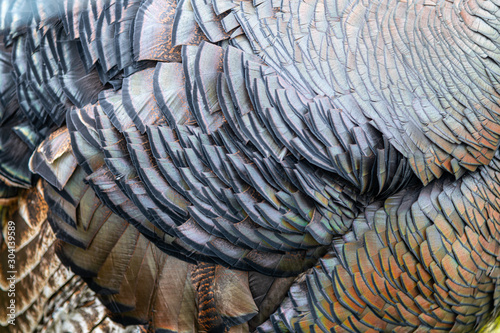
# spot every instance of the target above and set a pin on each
(440, 283)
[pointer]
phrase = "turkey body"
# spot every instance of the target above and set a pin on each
(278, 166)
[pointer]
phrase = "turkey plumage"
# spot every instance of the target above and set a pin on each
(287, 166)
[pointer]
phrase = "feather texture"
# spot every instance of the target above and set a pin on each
(228, 165)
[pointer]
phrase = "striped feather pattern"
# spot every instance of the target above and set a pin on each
(48, 296)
